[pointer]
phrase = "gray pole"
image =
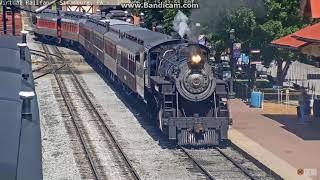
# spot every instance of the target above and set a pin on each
(13, 20)
(4, 16)
(232, 37)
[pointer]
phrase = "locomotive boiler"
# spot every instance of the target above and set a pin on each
(171, 75)
(191, 102)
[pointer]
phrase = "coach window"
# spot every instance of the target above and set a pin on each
(124, 60)
(137, 58)
(131, 64)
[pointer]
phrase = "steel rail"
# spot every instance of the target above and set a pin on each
(40, 68)
(127, 161)
(243, 170)
(50, 72)
(209, 176)
(72, 113)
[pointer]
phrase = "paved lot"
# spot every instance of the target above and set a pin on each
(273, 136)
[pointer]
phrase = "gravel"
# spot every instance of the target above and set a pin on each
(58, 161)
(150, 153)
(245, 163)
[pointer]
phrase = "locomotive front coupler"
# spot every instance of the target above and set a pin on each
(198, 128)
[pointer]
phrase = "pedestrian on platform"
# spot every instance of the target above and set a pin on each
(302, 104)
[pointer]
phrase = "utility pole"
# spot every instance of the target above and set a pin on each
(4, 16)
(13, 20)
(232, 38)
(253, 68)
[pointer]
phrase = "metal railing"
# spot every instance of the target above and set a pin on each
(242, 90)
(280, 96)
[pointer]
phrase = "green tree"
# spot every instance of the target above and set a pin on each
(243, 20)
(168, 17)
(281, 18)
(162, 17)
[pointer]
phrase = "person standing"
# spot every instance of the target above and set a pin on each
(302, 105)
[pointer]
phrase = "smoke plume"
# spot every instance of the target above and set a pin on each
(180, 24)
(211, 13)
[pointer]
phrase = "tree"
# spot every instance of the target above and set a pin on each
(162, 17)
(244, 21)
(281, 18)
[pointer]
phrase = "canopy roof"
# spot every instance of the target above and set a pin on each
(288, 42)
(301, 38)
(309, 33)
(315, 8)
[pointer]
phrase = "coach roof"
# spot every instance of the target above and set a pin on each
(149, 38)
(13, 145)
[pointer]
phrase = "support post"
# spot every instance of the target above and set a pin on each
(13, 20)
(26, 97)
(232, 64)
(4, 16)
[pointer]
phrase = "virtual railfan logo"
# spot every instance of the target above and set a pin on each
(307, 172)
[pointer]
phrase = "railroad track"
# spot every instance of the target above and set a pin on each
(217, 164)
(90, 112)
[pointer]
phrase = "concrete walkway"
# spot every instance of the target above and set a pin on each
(274, 138)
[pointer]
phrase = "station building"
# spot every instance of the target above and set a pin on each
(91, 6)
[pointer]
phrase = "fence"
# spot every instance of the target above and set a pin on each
(18, 23)
(242, 90)
(281, 96)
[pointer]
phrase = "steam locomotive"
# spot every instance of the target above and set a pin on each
(171, 75)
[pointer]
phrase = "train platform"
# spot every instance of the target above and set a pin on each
(273, 137)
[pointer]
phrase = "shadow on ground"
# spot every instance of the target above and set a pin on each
(309, 131)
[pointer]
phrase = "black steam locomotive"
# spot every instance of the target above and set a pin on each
(171, 75)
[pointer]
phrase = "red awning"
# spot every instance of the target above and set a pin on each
(315, 8)
(288, 42)
(309, 33)
(300, 38)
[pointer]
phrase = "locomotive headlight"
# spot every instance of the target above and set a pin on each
(196, 59)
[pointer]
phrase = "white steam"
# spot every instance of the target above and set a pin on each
(180, 24)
